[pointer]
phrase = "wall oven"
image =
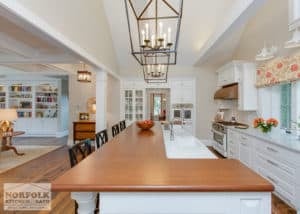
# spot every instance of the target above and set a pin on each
(177, 113)
(187, 114)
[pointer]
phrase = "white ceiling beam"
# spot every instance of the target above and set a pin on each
(16, 46)
(41, 59)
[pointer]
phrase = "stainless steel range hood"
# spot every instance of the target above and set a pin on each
(229, 92)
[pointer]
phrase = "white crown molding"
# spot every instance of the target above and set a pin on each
(15, 8)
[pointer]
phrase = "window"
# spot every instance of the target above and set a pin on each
(285, 105)
(281, 102)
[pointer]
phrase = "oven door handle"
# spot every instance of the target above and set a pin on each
(217, 132)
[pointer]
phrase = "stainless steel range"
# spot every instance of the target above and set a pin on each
(219, 130)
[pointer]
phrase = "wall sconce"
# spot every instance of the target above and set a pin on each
(84, 75)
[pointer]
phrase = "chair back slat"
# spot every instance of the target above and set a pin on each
(122, 125)
(79, 151)
(115, 130)
(101, 138)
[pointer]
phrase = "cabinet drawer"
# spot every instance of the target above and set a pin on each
(84, 127)
(84, 135)
(285, 190)
(281, 170)
(278, 153)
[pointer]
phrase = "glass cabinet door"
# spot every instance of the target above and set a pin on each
(128, 105)
(139, 100)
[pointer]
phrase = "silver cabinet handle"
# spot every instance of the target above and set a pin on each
(271, 149)
(272, 179)
(244, 144)
(243, 138)
(273, 163)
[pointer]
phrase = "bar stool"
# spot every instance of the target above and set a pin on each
(79, 151)
(122, 125)
(101, 138)
(115, 130)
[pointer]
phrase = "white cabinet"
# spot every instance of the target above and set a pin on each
(233, 145)
(278, 165)
(38, 104)
(228, 74)
(182, 91)
(243, 73)
(245, 147)
(133, 105)
(294, 14)
(247, 98)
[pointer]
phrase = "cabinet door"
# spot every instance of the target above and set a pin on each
(221, 78)
(128, 102)
(247, 91)
(139, 105)
(245, 150)
(233, 145)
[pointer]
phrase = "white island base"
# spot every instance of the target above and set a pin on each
(175, 202)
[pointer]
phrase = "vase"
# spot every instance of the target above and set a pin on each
(265, 129)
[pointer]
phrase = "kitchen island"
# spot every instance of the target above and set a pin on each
(134, 175)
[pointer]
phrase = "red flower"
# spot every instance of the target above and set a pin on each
(272, 122)
(294, 67)
(268, 74)
(258, 72)
(257, 122)
(279, 65)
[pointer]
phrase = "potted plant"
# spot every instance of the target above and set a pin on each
(265, 125)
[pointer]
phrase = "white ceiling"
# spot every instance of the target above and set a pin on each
(24, 48)
(200, 20)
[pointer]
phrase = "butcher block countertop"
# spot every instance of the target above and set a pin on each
(135, 161)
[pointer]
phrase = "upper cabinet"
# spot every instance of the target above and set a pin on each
(294, 14)
(228, 74)
(243, 73)
(247, 98)
(182, 91)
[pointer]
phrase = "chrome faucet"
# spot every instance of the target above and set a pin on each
(171, 131)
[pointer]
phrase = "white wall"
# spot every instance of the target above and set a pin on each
(78, 95)
(82, 22)
(113, 102)
(206, 85)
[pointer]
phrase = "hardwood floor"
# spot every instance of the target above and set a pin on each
(48, 167)
(43, 169)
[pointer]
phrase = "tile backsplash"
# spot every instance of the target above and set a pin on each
(240, 116)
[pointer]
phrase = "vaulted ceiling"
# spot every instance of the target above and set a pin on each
(200, 20)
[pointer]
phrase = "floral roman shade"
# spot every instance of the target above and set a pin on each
(278, 70)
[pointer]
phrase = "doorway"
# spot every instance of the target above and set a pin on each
(158, 104)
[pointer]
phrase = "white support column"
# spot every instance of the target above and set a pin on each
(86, 201)
(101, 88)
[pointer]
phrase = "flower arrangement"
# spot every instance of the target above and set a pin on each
(265, 125)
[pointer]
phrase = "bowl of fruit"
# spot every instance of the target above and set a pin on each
(145, 124)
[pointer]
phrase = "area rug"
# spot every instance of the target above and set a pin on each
(9, 160)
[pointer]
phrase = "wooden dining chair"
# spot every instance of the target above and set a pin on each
(101, 138)
(115, 130)
(79, 151)
(122, 125)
